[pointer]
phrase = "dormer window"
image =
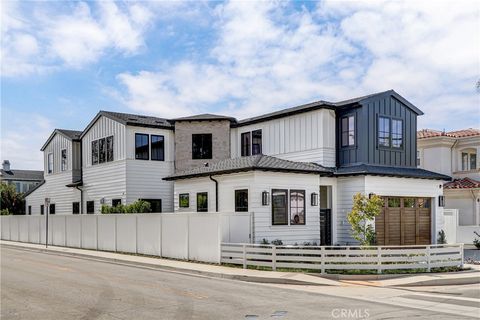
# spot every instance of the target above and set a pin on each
(64, 159)
(390, 132)
(202, 146)
(348, 131)
(50, 163)
(251, 143)
(102, 150)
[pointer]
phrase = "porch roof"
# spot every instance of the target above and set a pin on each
(464, 183)
(251, 163)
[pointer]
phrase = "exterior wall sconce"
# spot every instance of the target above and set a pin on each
(441, 201)
(314, 199)
(265, 198)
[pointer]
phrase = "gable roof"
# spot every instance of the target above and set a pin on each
(129, 119)
(25, 175)
(73, 135)
(322, 104)
(34, 188)
(465, 183)
(251, 163)
(365, 169)
(430, 133)
(204, 117)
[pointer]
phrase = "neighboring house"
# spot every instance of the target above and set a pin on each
(23, 180)
(295, 170)
(455, 154)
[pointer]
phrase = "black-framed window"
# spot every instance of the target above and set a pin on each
(102, 153)
(397, 133)
(202, 146)
(52, 208)
(256, 142)
(90, 207)
(50, 163)
(116, 202)
(245, 144)
(202, 202)
(473, 161)
(155, 204)
(297, 207)
(158, 147)
(42, 209)
(279, 207)
(109, 148)
(64, 160)
(94, 152)
(29, 210)
(141, 146)
(75, 207)
(348, 131)
(184, 200)
(241, 200)
(384, 132)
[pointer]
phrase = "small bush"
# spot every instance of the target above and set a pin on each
(5, 212)
(442, 238)
(138, 206)
(277, 242)
(264, 241)
(476, 241)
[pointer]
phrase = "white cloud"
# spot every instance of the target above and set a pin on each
(49, 39)
(268, 55)
(22, 136)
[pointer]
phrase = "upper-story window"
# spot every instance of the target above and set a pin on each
(469, 161)
(158, 147)
(64, 159)
(251, 143)
(348, 131)
(141, 146)
(102, 150)
(390, 132)
(50, 163)
(202, 146)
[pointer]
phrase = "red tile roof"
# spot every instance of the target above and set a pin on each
(465, 183)
(428, 133)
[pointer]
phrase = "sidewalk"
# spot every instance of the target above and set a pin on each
(218, 271)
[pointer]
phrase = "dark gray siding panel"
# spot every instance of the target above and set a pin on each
(366, 149)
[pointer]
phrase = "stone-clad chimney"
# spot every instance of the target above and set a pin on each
(6, 165)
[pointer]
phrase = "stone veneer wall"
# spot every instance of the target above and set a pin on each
(220, 130)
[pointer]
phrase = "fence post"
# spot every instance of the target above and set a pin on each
(462, 255)
(379, 259)
(274, 258)
(244, 256)
(322, 252)
(428, 259)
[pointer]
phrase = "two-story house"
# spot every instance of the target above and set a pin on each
(295, 170)
(455, 153)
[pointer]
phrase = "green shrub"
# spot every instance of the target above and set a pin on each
(476, 241)
(264, 241)
(138, 206)
(5, 212)
(442, 238)
(362, 216)
(11, 200)
(277, 242)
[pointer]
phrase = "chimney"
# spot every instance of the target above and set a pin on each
(6, 165)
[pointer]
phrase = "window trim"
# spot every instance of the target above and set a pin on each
(148, 145)
(242, 209)
(50, 169)
(63, 165)
(198, 194)
(303, 191)
(163, 147)
(210, 154)
(180, 201)
(347, 116)
(286, 207)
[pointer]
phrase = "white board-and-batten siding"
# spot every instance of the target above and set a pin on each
(256, 183)
(125, 177)
(306, 137)
(58, 143)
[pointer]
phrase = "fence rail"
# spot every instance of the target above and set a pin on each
(325, 258)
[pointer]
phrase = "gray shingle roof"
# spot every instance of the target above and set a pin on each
(363, 169)
(205, 117)
(24, 175)
(72, 134)
(257, 162)
(137, 119)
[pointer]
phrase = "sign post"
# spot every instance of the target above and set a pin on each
(47, 211)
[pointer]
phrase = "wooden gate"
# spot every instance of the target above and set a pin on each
(404, 221)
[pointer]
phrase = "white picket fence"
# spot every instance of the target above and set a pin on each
(187, 236)
(324, 258)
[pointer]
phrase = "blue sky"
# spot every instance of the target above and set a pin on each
(62, 62)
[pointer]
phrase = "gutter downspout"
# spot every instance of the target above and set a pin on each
(216, 193)
(81, 198)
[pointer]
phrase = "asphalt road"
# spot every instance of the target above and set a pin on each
(36, 285)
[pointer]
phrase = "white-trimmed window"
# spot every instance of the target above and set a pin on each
(468, 160)
(50, 163)
(64, 159)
